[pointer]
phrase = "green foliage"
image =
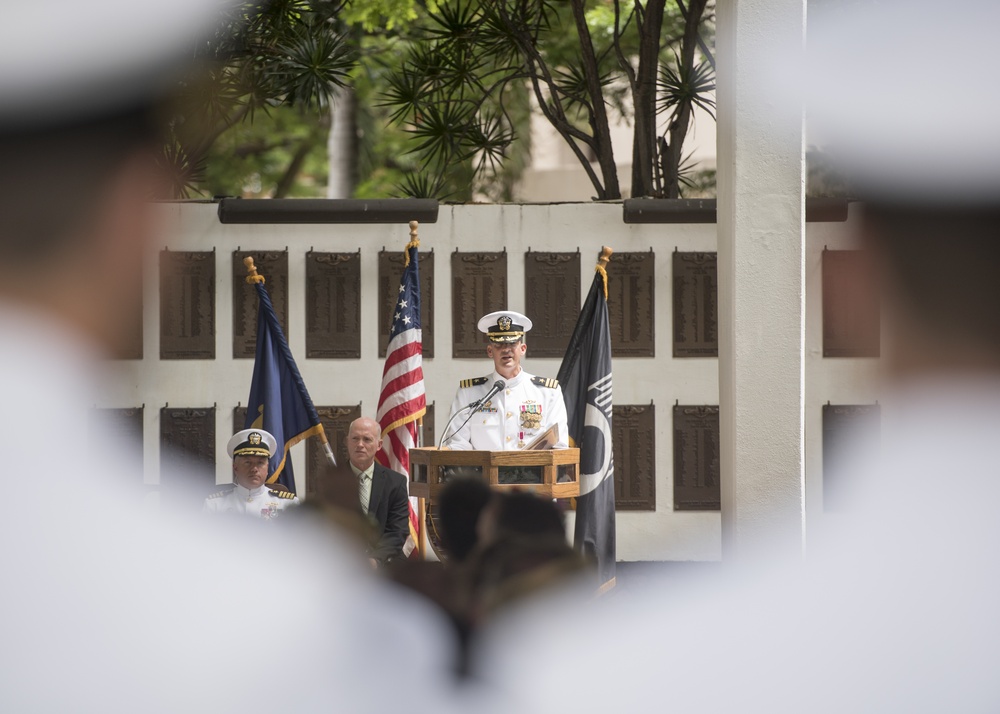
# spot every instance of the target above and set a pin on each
(264, 56)
(691, 85)
(474, 65)
(252, 159)
(372, 15)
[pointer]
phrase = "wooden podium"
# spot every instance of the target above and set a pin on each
(551, 473)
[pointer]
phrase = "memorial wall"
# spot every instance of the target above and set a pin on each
(333, 286)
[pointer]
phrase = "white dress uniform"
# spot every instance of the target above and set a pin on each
(260, 502)
(526, 408)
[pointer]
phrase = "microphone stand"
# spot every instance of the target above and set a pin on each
(494, 390)
(444, 432)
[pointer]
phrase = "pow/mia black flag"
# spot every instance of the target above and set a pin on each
(585, 377)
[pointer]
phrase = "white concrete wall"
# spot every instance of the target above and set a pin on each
(659, 535)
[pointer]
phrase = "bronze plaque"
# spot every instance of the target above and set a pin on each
(696, 305)
(848, 430)
(478, 287)
(336, 421)
(696, 458)
(390, 272)
(634, 443)
(333, 305)
(630, 304)
(274, 267)
(126, 426)
(239, 418)
(187, 304)
(850, 305)
(552, 294)
(191, 431)
(427, 436)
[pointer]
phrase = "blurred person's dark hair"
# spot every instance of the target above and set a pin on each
(522, 552)
(459, 506)
(928, 173)
(943, 263)
(84, 110)
(52, 177)
(522, 513)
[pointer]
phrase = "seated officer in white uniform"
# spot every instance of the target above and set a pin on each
(526, 407)
(251, 451)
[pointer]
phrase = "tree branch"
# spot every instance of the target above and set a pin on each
(623, 62)
(701, 41)
(602, 129)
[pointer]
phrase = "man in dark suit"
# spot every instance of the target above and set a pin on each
(382, 492)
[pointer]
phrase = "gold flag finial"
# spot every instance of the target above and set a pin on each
(252, 276)
(602, 264)
(414, 242)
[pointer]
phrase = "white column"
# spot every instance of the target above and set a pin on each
(761, 231)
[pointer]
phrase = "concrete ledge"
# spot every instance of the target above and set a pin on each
(703, 210)
(327, 210)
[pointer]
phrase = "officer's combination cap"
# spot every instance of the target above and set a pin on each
(504, 326)
(252, 442)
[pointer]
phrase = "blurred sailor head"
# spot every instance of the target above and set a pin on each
(505, 330)
(909, 115)
(79, 136)
(251, 451)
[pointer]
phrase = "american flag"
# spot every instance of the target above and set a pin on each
(403, 400)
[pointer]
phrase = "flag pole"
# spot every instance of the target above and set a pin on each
(421, 504)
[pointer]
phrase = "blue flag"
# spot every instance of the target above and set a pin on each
(279, 402)
(585, 376)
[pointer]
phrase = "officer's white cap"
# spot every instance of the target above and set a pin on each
(252, 442)
(902, 95)
(504, 326)
(67, 61)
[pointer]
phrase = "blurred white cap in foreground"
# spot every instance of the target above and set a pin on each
(66, 61)
(903, 96)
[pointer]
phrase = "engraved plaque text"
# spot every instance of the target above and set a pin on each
(630, 304)
(696, 458)
(187, 304)
(552, 294)
(696, 310)
(333, 305)
(634, 440)
(478, 287)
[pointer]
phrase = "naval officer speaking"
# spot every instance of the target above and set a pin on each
(512, 407)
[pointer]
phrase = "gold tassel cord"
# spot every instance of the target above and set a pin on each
(414, 243)
(252, 276)
(602, 264)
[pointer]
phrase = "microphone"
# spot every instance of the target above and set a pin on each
(471, 408)
(497, 387)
